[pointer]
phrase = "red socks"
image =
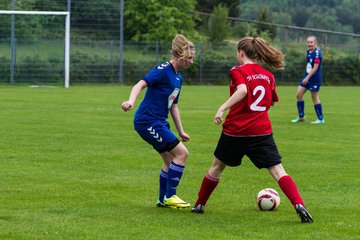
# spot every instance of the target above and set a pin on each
(288, 186)
(208, 185)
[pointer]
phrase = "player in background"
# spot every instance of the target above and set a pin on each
(311, 81)
(163, 85)
(247, 129)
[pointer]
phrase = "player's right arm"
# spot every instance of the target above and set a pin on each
(129, 104)
(238, 95)
(310, 74)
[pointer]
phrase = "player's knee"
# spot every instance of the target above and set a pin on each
(182, 156)
(277, 171)
(185, 154)
(215, 171)
(316, 100)
(299, 97)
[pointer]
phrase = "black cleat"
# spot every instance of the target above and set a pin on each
(198, 209)
(303, 214)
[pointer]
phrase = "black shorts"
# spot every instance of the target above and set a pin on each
(261, 150)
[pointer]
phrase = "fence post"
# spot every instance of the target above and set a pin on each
(111, 57)
(121, 80)
(12, 64)
(200, 63)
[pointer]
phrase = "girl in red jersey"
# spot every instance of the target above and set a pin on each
(247, 128)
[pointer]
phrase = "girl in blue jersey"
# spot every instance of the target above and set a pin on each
(311, 81)
(163, 85)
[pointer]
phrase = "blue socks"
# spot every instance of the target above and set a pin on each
(173, 178)
(301, 106)
(163, 185)
(318, 110)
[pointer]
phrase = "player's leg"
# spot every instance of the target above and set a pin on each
(174, 155)
(286, 184)
(318, 107)
(176, 168)
(291, 191)
(300, 104)
(208, 185)
(167, 158)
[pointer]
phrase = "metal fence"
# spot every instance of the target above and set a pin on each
(36, 55)
(42, 62)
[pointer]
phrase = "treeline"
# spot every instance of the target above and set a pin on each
(160, 20)
(211, 65)
(336, 15)
(98, 22)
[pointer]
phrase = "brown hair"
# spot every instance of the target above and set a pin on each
(261, 51)
(181, 47)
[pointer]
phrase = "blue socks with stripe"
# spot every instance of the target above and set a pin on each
(163, 185)
(173, 178)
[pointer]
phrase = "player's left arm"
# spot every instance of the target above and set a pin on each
(275, 96)
(175, 114)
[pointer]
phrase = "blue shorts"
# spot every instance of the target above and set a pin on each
(158, 135)
(314, 87)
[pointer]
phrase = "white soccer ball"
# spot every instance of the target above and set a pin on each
(268, 199)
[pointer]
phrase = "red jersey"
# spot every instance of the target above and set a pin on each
(249, 117)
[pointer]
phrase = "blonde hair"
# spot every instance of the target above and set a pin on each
(181, 47)
(261, 51)
(315, 40)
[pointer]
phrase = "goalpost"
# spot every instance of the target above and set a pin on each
(67, 36)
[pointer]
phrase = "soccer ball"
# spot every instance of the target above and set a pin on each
(268, 199)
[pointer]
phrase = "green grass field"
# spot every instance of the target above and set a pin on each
(72, 167)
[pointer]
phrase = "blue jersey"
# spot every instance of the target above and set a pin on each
(164, 85)
(311, 59)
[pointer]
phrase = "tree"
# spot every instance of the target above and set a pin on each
(92, 17)
(209, 6)
(264, 16)
(159, 20)
(300, 15)
(348, 14)
(219, 27)
(32, 27)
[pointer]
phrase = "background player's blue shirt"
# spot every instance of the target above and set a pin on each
(311, 59)
(163, 90)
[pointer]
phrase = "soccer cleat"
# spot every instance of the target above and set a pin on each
(318, 121)
(303, 214)
(175, 202)
(160, 204)
(198, 209)
(298, 119)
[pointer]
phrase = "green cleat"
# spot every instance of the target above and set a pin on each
(160, 204)
(318, 121)
(175, 202)
(298, 119)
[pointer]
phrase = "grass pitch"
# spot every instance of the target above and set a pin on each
(72, 167)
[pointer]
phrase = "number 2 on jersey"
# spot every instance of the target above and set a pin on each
(254, 106)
